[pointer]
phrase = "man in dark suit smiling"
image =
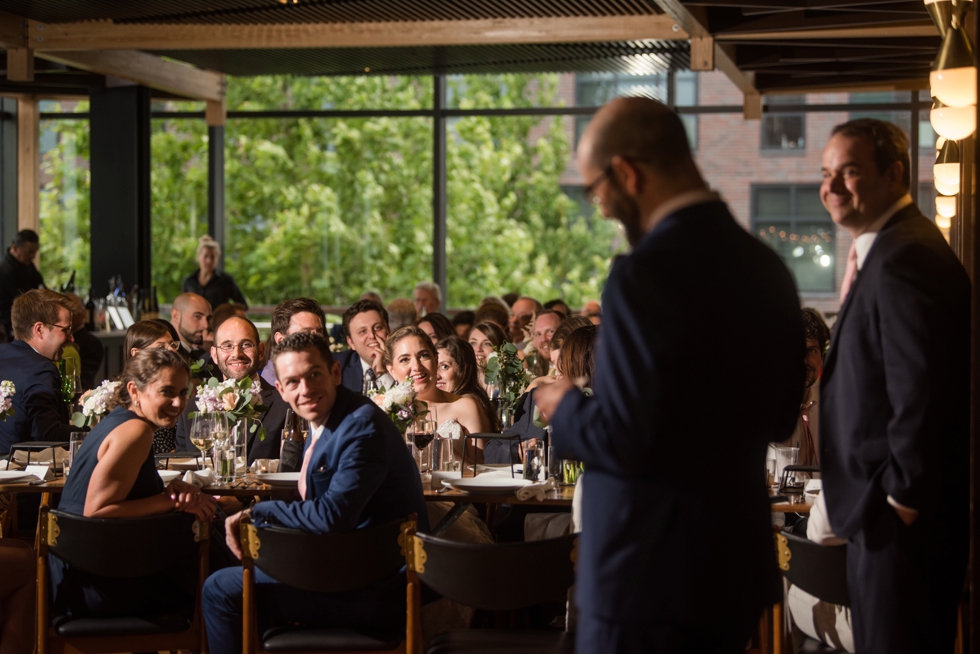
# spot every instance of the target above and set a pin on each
(894, 420)
(663, 567)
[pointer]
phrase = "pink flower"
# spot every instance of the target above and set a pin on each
(229, 400)
(379, 399)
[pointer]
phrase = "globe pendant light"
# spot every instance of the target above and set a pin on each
(943, 222)
(954, 77)
(954, 123)
(946, 189)
(946, 206)
(947, 168)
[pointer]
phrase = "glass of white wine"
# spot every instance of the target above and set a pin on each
(202, 436)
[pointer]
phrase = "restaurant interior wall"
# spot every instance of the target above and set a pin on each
(289, 145)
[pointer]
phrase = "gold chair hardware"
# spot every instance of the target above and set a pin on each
(417, 556)
(252, 539)
(50, 530)
(783, 554)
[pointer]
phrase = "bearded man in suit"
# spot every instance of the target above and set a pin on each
(653, 574)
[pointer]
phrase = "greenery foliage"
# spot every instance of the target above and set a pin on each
(329, 208)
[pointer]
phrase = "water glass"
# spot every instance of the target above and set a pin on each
(534, 464)
(785, 456)
(554, 464)
(239, 442)
(505, 414)
(75, 440)
(770, 472)
(444, 456)
(571, 471)
(225, 463)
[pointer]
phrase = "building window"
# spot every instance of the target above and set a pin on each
(792, 221)
(596, 89)
(783, 131)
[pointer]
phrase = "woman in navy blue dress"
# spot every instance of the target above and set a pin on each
(114, 476)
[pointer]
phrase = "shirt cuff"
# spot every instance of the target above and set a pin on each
(894, 503)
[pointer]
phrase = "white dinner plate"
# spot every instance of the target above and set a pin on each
(279, 478)
(14, 476)
(185, 464)
(488, 485)
(169, 475)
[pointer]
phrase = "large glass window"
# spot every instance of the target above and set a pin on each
(64, 198)
(783, 131)
(179, 185)
(792, 220)
(511, 224)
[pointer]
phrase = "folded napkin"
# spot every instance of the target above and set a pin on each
(199, 478)
(537, 490)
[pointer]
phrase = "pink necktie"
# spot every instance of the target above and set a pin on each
(850, 272)
(306, 464)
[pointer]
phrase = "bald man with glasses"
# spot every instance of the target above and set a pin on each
(237, 352)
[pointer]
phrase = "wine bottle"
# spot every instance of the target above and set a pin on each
(69, 286)
(90, 311)
(291, 456)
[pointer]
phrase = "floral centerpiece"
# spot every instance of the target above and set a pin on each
(96, 404)
(400, 404)
(238, 399)
(505, 371)
(7, 392)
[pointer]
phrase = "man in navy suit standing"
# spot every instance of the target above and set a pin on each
(356, 473)
(366, 328)
(894, 419)
(676, 549)
(42, 323)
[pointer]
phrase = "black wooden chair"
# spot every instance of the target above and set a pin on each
(503, 577)
(120, 548)
(326, 563)
(816, 569)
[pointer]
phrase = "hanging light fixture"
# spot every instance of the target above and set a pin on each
(946, 206)
(947, 168)
(946, 189)
(940, 142)
(954, 76)
(955, 123)
(942, 222)
(941, 11)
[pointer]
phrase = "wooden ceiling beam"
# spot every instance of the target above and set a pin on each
(148, 70)
(106, 35)
(833, 84)
(903, 30)
(693, 25)
(800, 21)
(13, 31)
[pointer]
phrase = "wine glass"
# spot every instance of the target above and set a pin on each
(422, 434)
(202, 436)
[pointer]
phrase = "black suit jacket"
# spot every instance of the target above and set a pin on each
(699, 365)
(40, 414)
(894, 395)
(15, 278)
(273, 420)
(351, 371)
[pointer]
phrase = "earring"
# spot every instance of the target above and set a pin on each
(137, 404)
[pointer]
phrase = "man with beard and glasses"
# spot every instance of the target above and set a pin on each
(237, 352)
(653, 574)
(191, 316)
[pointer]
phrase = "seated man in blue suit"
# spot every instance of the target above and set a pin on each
(366, 328)
(42, 325)
(356, 473)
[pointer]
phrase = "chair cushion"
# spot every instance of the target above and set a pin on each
(303, 639)
(496, 640)
(68, 627)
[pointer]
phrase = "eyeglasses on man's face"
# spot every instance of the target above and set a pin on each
(244, 346)
(65, 329)
(589, 190)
